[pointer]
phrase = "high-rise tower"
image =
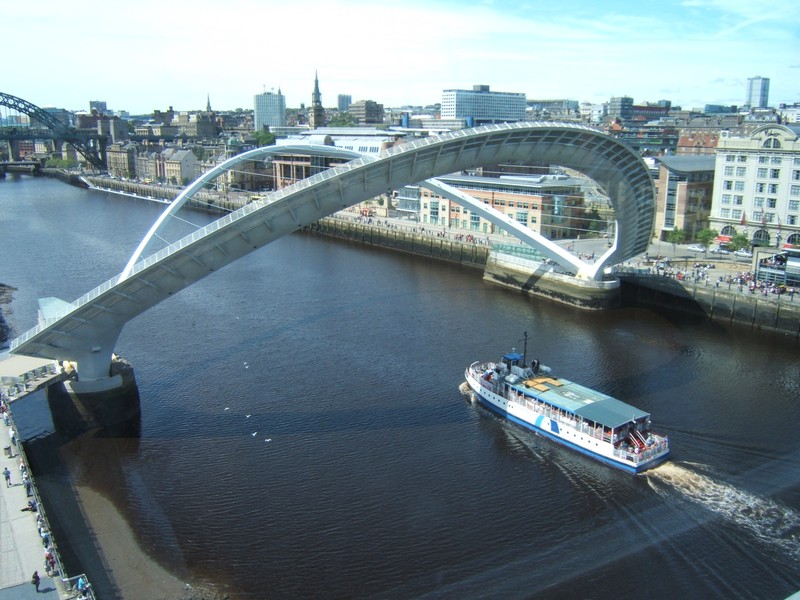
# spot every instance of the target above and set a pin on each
(757, 92)
(317, 117)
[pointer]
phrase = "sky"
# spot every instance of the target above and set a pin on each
(153, 54)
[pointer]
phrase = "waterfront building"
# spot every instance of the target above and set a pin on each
(757, 186)
(269, 110)
(552, 205)
(290, 168)
(366, 112)
(121, 160)
(180, 166)
(757, 92)
(481, 106)
(684, 190)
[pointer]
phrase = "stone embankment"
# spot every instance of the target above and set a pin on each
(721, 302)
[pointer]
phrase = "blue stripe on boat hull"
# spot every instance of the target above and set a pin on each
(539, 429)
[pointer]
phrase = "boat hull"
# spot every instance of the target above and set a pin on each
(551, 430)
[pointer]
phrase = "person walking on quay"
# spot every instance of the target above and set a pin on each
(35, 580)
(7, 475)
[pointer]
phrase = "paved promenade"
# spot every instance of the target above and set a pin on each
(22, 550)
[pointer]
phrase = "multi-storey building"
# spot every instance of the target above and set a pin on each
(620, 107)
(290, 168)
(269, 110)
(121, 160)
(343, 102)
(480, 106)
(684, 189)
(757, 92)
(550, 205)
(757, 186)
(180, 166)
(367, 112)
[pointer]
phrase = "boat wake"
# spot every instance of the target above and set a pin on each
(771, 523)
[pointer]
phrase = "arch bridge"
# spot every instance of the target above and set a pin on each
(81, 141)
(87, 329)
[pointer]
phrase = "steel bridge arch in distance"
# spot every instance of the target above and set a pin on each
(69, 135)
(88, 329)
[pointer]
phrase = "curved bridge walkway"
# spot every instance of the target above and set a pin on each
(88, 329)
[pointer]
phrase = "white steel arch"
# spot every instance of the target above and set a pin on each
(88, 330)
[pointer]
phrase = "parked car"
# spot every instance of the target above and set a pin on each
(744, 252)
(696, 248)
(720, 250)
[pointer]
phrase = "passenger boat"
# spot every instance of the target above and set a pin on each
(576, 416)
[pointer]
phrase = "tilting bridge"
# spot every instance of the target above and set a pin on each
(87, 330)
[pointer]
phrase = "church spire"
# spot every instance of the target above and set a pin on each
(317, 117)
(208, 103)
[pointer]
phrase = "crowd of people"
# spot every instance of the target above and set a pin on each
(743, 282)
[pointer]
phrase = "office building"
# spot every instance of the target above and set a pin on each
(366, 112)
(343, 102)
(757, 92)
(552, 205)
(684, 189)
(480, 106)
(269, 110)
(620, 107)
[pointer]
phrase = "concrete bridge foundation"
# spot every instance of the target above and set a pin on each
(110, 404)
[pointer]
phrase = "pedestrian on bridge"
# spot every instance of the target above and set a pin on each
(7, 475)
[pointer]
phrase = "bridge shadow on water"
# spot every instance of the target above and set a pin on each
(75, 456)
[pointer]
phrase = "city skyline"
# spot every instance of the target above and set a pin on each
(692, 52)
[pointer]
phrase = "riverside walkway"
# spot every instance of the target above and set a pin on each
(26, 541)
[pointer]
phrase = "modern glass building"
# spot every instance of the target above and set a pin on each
(269, 109)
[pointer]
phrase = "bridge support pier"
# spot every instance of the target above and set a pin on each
(536, 278)
(110, 403)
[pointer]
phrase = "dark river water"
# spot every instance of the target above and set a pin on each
(304, 433)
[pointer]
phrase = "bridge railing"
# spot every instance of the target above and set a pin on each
(272, 198)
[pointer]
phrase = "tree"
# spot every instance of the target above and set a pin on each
(676, 236)
(705, 237)
(739, 241)
(343, 119)
(264, 138)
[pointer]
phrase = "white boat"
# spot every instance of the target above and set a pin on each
(576, 416)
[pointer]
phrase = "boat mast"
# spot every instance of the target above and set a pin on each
(525, 349)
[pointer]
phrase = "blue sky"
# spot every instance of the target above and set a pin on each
(139, 56)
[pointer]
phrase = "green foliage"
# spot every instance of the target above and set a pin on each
(264, 138)
(706, 236)
(676, 236)
(739, 241)
(60, 163)
(343, 119)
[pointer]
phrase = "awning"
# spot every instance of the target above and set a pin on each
(723, 239)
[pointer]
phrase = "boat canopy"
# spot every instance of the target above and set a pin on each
(585, 402)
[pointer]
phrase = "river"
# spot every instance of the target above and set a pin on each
(304, 433)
